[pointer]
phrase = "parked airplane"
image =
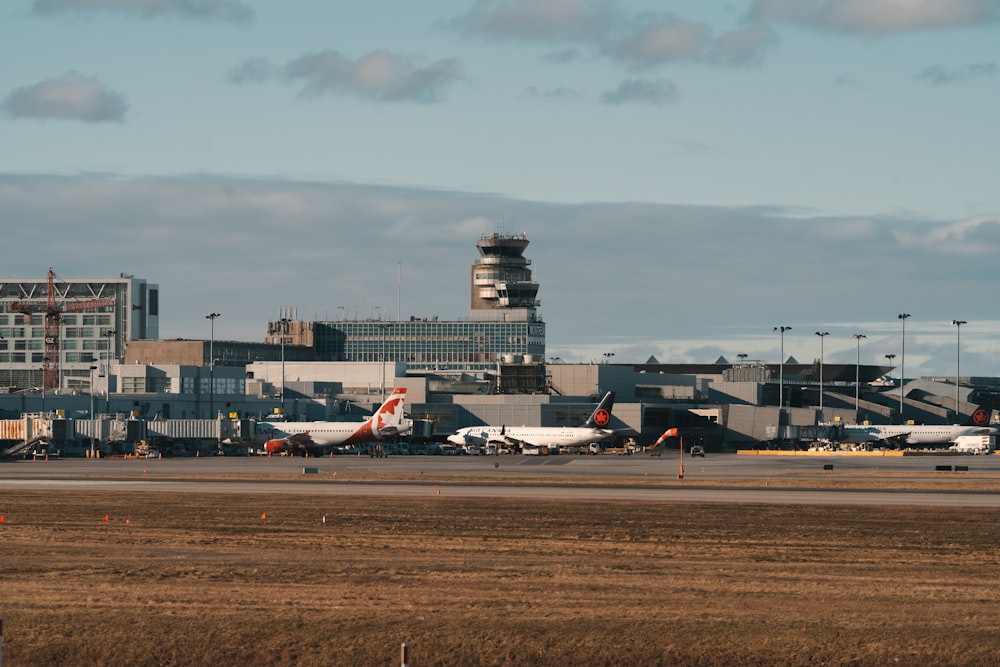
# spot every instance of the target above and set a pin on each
(921, 434)
(388, 421)
(541, 436)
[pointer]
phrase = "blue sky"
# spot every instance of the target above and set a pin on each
(690, 174)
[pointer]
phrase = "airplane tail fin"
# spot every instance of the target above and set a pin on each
(601, 416)
(389, 419)
(982, 415)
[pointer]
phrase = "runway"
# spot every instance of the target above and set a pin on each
(719, 478)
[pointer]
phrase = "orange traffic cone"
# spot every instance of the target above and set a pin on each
(127, 522)
(2, 519)
(105, 517)
(263, 516)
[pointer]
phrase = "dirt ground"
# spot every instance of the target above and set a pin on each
(184, 579)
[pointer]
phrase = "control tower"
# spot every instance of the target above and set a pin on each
(503, 289)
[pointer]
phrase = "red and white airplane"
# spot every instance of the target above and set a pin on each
(387, 422)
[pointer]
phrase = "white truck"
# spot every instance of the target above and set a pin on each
(974, 444)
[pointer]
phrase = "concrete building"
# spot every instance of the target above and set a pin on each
(504, 329)
(53, 330)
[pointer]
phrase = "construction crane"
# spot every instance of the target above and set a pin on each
(53, 308)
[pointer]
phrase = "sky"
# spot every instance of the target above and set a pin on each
(692, 176)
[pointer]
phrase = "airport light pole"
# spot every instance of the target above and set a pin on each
(781, 367)
(385, 329)
(857, 375)
(607, 356)
(889, 358)
(10, 360)
(110, 335)
(92, 369)
(211, 363)
(284, 330)
(902, 366)
(958, 365)
(822, 335)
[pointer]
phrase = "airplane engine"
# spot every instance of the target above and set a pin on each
(275, 446)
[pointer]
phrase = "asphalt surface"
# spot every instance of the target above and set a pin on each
(724, 478)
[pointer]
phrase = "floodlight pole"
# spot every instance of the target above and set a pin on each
(211, 363)
(822, 335)
(857, 375)
(781, 367)
(902, 366)
(958, 365)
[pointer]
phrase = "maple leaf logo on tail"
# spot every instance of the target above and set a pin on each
(390, 413)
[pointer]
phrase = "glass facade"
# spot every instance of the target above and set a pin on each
(430, 344)
(95, 320)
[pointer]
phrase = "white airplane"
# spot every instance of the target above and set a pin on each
(922, 434)
(388, 421)
(541, 436)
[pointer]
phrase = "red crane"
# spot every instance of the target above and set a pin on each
(53, 310)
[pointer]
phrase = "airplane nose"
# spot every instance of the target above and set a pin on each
(456, 440)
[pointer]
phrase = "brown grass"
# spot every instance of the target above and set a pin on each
(205, 580)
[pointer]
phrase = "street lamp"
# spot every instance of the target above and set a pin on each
(92, 369)
(742, 356)
(10, 361)
(211, 361)
(110, 335)
(385, 328)
(284, 330)
(902, 366)
(889, 358)
(781, 367)
(958, 351)
(857, 375)
(822, 335)
(607, 356)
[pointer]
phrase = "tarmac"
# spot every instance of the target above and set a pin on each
(968, 481)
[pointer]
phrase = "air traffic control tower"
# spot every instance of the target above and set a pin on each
(503, 289)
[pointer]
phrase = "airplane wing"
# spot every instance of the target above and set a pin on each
(303, 439)
(506, 439)
(897, 441)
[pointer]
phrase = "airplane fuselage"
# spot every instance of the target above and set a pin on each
(322, 434)
(539, 436)
(912, 434)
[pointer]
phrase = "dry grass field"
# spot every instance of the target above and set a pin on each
(180, 579)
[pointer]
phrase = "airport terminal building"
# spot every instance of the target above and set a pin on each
(504, 327)
(90, 348)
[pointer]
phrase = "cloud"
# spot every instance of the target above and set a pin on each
(742, 47)
(642, 91)
(877, 17)
(938, 75)
(562, 57)
(537, 20)
(228, 11)
(380, 76)
(561, 94)
(686, 283)
(69, 97)
(638, 40)
(254, 70)
(979, 235)
(657, 40)
(845, 81)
